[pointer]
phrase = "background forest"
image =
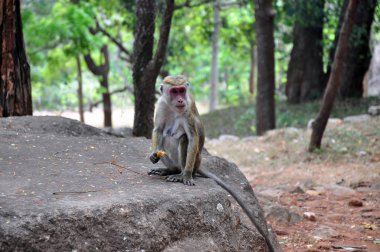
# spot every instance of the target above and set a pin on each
(81, 55)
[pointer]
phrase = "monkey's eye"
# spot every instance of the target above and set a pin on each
(173, 91)
(177, 90)
(181, 90)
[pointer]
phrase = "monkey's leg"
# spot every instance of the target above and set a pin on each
(171, 168)
(184, 177)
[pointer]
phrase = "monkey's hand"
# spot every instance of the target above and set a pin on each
(155, 156)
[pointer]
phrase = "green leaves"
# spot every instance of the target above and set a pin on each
(57, 31)
(53, 38)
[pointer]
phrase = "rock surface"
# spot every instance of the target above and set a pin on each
(61, 190)
(374, 110)
(324, 232)
(281, 214)
(357, 118)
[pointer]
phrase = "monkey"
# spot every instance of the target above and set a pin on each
(178, 138)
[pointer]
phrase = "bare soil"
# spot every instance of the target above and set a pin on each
(340, 185)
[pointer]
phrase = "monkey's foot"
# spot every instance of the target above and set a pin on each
(181, 178)
(162, 172)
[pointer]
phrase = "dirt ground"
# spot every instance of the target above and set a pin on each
(334, 194)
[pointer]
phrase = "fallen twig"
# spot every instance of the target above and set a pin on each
(75, 192)
(113, 162)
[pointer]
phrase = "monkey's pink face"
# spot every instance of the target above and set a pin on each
(178, 96)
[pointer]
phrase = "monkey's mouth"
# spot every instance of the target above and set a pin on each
(180, 106)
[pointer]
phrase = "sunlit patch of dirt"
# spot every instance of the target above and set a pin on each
(350, 157)
(354, 226)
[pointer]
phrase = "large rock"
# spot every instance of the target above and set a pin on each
(58, 193)
(357, 118)
(374, 110)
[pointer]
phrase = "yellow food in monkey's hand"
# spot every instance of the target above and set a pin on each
(160, 154)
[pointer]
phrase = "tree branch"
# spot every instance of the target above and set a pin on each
(164, 36)
(120, 90)
(118, 43)
(124, 58)
(91, 65)
(50, 46)
(106, 64)
(101, 68)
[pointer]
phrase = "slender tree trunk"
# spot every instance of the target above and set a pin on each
(357, 62)
(215, 56)
(107, 104)
(265, 105)
(252, 68)
(15, 85)
(305, 71)
(146, 67)
(252, 73)
(80, 89)
(102, 71)
(319, 125)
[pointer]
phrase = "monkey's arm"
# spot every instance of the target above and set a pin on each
(159, 154)
(157, 136)
(157, 142)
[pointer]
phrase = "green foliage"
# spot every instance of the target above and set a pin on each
(57, 31)
(53, 38)
(65, 27)
(247, 118)
(189, 50)
(330, 25)
(376, 25)
(55, 35)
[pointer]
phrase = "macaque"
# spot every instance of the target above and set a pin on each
(178, 138)
(178, 131)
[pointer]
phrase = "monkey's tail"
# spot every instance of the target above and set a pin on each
(241, 203)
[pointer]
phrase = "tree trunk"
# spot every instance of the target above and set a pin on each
(319, 125)
(252, 68)
(265, 106)
(15, 85)
(215, 56)
(102, 70)
(80, 89)
(305, 72)
(146, 68)
(357, 61)
(107, 103)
